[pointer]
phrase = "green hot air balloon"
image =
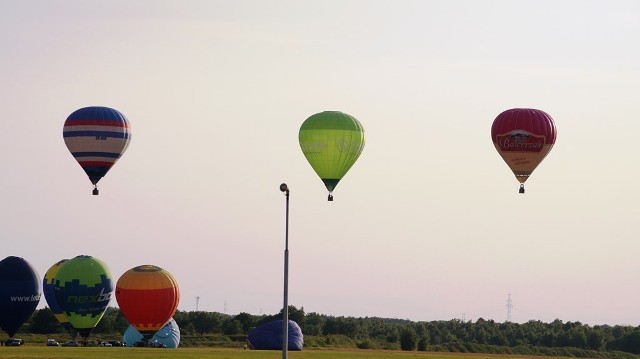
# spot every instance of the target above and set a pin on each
(332, 142)
(83, 287)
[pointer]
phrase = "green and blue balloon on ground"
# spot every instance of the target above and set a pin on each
(82, 288)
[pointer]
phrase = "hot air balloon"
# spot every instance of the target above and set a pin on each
(268, 336)
(83, 288)
(169, 335)
(96, 137)
(148, 297)
(523, 137)
(332, 142)
(49, 294)
(19, 293)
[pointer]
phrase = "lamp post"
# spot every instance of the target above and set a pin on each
(285, 309)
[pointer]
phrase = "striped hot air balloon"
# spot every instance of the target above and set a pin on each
(148, 297)
(96, 137)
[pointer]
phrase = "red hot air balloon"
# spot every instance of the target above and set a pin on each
(523, 137)
(148, 297)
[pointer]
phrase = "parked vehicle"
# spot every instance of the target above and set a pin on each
(117, 343)
(154, 344)
(52, 343)
(14, 342)
(157, 344)
(72, 343)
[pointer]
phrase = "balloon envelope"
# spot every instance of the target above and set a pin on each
(96, 137)
(49, 294)
(331, 141)
(19, 293)
(268, 336)
(148, 297)
(168, 335)
(83, 288)
(523, 137)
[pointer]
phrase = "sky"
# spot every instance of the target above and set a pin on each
(427, 225)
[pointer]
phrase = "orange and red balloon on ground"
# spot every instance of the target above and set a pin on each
(148, 297)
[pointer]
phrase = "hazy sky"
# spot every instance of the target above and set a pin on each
(427, 225)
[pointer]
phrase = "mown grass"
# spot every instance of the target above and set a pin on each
(43, 352)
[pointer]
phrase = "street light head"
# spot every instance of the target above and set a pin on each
(284, 188)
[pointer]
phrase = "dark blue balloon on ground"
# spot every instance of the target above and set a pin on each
(268, 336)
(19, 293)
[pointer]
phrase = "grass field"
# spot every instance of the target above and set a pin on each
(43, 352)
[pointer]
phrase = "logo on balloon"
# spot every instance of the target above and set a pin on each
(29, 298)
(519, 140)
(100, 297)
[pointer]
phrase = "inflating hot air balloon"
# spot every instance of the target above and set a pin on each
(523, 137)
(268, 336)
(49, 294)
(332, 142)
(148, 297)
(82, 288)
(96, 137)
(19, 293)
(169, 335)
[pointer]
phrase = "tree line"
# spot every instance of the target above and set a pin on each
(383, 333)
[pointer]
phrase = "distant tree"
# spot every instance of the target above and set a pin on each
(232, 327)
(313, 324)
(297, 315)
(423, 343)
(120, 323)
(184, 323)
(393, 335)
(577, 337)
(595, 339)
(44, 322)
(204, 322)
(246, 320)
(631, 342)
(107, 323)
(408, 338)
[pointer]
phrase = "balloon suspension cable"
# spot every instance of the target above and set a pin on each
(521, 188)
(330, 198)
(95, 190)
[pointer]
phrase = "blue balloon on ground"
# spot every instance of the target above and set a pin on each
(268, 336)
(19, 293)
(168, 335)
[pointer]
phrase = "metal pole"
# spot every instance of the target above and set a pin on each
(285, 309)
